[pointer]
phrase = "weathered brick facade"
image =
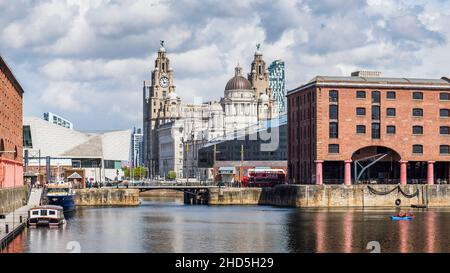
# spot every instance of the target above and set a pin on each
(309, 125)
(11, 166)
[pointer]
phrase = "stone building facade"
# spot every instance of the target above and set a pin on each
(355, 129)
(171, 126)
(11, 165)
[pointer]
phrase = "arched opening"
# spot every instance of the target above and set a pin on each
(376, 164)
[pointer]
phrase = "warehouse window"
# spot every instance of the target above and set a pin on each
(333, 148)
(390, 129)
(417, 112)
(360, 111)
(375, 112)
(2, 146)
(444, 149)
(376, 97)
(360, 129)
(417, 96)
(417, 130)
(333, 112)
(391, 95)
(444, 130)
(375, 130)
(444, 96)
(334, 97)
(417, 149)
(444, 113)
(360, 94)
(334, 131)
(390, 112)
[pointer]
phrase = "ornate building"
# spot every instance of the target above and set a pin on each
(173, 131)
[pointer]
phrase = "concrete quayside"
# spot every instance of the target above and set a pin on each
(329, 196)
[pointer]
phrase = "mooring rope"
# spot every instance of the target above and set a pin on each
(408, 195)
(374, 191)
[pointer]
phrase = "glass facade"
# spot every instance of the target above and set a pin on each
(27, 141)
(253, 149)
(277, 83)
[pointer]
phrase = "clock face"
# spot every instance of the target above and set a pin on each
(164, 81)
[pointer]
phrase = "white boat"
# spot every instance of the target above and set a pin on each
(51, 216)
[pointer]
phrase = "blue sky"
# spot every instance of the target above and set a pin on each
(86, 60)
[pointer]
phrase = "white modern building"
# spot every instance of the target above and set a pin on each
(101, 155)
(58, 120)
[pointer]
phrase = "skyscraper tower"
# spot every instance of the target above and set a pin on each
(154, 95)
(277, 83)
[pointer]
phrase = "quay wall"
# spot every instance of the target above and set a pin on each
(12, 199)
(107, 197)
(328, 196)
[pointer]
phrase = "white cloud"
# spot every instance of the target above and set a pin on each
(87, 59)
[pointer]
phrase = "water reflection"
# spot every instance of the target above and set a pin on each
(161, 226)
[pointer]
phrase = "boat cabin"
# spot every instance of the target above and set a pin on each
(51, 216)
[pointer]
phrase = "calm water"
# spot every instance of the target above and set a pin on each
(169, 226)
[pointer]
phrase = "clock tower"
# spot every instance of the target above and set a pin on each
(155, 93)
(259, 79)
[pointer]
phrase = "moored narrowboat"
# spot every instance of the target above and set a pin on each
(51, 216)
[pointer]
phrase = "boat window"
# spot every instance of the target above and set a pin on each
(43, 212)
(35, 212)
(51, 212)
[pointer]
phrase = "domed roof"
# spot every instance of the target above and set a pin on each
(238, 82)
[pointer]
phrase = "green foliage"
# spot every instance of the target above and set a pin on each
(172, 175)
(138, 172)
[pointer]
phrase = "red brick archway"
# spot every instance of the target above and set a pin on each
(377, 164)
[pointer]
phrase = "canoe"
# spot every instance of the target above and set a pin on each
(406, 218)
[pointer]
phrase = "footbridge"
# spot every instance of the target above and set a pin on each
(194, 193)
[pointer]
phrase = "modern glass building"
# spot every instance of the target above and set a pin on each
(264, 143)
(137, 147)
(278, 84)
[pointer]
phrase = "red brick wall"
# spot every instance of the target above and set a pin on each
(302, 113)
(301, 159)
(10, 128)
(401, 142)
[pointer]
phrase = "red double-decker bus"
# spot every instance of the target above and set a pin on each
(264, 178)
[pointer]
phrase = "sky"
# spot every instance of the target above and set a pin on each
(87, 60)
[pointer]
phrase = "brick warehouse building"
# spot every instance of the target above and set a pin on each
(369, 129)
(11, 165)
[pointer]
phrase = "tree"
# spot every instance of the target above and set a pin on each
(172, 175)
(138, 172)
